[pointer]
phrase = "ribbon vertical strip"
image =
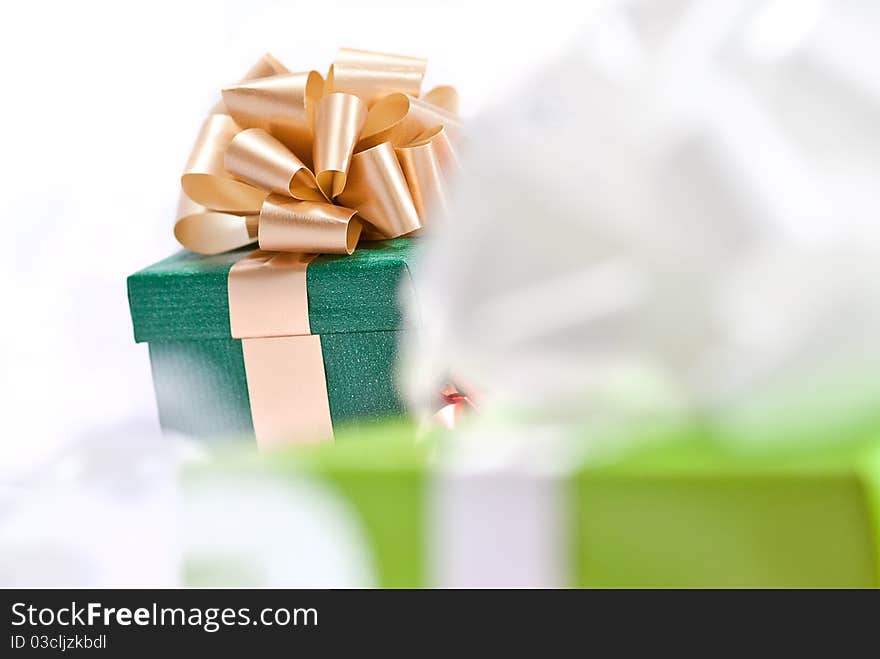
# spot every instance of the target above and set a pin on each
(283, 361)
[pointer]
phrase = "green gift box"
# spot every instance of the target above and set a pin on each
(180, 307)
(688, 511)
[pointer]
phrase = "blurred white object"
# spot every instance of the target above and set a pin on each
(101, 513)
(679, 214)
(259, 531)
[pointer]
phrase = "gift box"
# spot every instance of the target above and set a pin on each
(690, 512)
(332, 178)
(180, 307)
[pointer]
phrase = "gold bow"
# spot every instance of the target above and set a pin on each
(301, 163)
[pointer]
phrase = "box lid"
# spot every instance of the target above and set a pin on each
(184, 296)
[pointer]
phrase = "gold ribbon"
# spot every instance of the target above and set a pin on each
(304, 164)
(284, 363)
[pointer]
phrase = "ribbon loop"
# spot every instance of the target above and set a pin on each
(338, 123)
(444, 97)
(372, 75)
(426, 164)
(266, 66)
(425, 116)
(202, 230)
(400, 119)
(259, 159)
(386, 121)
(282, 105)
(205, 179)
(378, 189)
(289, 225)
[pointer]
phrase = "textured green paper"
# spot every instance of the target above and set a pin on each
(180, 306)
(201, 388)
(184, 296)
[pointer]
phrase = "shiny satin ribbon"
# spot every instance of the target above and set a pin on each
(300, 163)
(454, 407)
(284, 363)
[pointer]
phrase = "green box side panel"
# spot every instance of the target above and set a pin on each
(360, 369)
(382, 473)
(201, 386)
(712, 530)
(182, 297)
(185, 295)
(869, 469)
(390, 504)
(377, 472)
(362, 292)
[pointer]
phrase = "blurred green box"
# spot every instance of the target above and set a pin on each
(684, 512)
(693, 514)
